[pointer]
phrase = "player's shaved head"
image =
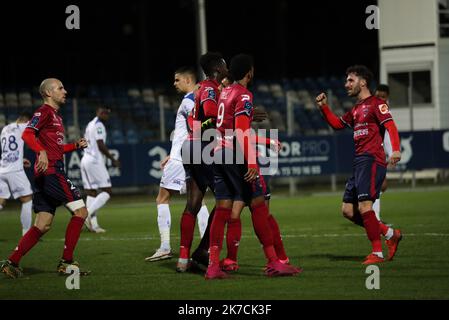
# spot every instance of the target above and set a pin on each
(47, 84)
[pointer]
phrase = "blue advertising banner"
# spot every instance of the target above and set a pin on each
(299, 156)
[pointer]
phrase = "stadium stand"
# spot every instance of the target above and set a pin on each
(135, 114)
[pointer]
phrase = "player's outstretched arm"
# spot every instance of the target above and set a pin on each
(331, 118)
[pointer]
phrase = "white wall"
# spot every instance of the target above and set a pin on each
(408, 22)
(414, 59)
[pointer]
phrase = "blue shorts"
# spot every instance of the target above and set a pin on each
(202, 174)
(366, 182)
(231, 185)
(53, 190)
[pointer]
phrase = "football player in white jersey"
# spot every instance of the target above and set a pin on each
(173, 177)
(13, 180)
(383, 92)
(96, 180)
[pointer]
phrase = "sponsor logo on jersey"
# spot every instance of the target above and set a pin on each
(383, 108)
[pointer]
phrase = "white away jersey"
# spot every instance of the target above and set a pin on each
(181, 131)
(12, 147)
(95, 130)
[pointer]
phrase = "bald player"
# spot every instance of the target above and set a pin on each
(44, 134)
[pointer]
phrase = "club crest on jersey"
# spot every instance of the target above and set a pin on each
(34, 121)
(211, 94)
(248, 107)
(383, 108)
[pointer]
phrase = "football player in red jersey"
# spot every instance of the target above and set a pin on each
(239, 184)
(198, 175)
(369, 119)
(45, 136)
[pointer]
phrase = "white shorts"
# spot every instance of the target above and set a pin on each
(94, 174)
(174, 176)
(15, 183)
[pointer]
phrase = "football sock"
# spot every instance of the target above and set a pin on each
(100, 201)
(203, 216)
(376, 208)
(1, 207)
(71, 237)
(187, 230)
(221, 217)
(233, 236)
(372, 230)
(204, 243)
(164, 224)
(26, 216)
(27, 242)
(277, 239)
(259, 216)
(89, 201)
(386, 231)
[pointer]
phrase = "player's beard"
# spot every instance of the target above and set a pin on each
(354, 92)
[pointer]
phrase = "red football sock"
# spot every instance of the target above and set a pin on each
(383, 228)
(72, 235)
(221, 217)
(187, 230)
(27, 242)
(259, 216)
(372, 230)
(233, 236)
(277, 240)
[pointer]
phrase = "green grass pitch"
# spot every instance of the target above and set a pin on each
(316, 237)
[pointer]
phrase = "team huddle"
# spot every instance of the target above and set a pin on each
(221, 104)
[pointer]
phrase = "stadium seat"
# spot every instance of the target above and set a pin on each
(132, 137)
(117, 137)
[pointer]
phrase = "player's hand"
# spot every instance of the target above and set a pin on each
(42, 161)
(115, 163)
(259, 115)
(275, 145)
(26, 163)
(251, 175)
(164, 162)
(321, 99)
(81, 143)
(395, 158)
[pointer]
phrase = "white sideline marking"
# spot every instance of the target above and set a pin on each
(325, 235)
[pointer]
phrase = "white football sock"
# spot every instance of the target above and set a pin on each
(203, 217)
(26, 216)
(389, 233)
(379, 254)
(100, 201)
(376, 208)
(1, 207)
(164, 223)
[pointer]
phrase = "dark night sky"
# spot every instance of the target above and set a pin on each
(287, 39)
